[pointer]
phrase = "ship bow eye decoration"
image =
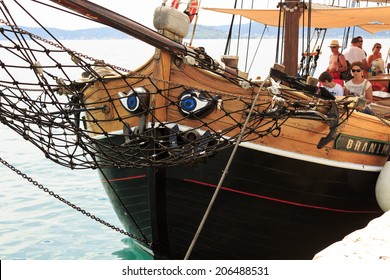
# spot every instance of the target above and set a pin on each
(195, 103)
(135, 101)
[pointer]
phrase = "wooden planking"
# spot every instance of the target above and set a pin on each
(215, 85)
(297, 135)
(162, 71)
(99, 93)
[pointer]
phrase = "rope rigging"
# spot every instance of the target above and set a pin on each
(49, 111)
(310, 56)
(47, 95)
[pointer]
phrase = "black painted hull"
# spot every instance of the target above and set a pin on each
(269, 207)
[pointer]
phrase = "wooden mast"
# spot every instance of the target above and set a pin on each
(105, 16)
(293, 11)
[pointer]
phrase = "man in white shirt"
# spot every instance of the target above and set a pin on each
(353, 53)
(360, 45)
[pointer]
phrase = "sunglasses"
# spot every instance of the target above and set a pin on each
(360, 41)
(356, 70)
(378, 47)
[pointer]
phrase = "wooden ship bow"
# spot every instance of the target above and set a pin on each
(305, 161)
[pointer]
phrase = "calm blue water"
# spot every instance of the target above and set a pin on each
(36, 226)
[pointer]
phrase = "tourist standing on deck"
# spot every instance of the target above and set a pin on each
(337, 62)
(355, 54)
(360, 44)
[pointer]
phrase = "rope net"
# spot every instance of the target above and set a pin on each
(43, 98)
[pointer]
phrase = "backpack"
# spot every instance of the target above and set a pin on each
(346, 75)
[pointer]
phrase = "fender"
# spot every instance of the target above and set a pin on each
(192, 9)
(175, 4)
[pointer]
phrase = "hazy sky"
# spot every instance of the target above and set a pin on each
(141, 11)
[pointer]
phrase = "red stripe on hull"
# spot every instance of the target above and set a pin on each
(125, 178)
(281, 200)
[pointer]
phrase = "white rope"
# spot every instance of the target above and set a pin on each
(205, 216)
(195, 24)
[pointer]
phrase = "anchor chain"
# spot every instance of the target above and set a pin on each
(77, 208)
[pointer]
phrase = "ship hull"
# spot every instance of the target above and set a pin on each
(303, 177)
(269, 206)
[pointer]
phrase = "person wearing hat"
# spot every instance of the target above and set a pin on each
(337, 62)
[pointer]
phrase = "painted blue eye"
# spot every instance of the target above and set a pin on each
(194, 103)
(135, 101)
(188, 103)
(132, 102)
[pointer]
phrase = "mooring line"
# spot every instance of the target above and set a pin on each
(225, 172)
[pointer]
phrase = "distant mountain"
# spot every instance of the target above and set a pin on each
(81, 34)
(256, 30)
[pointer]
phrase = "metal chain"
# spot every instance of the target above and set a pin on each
(19, 88)
(59, 46)
(79, 209)
(154, 79)
(121, 69)
(87, 57)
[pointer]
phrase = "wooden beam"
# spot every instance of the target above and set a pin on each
(293, 12)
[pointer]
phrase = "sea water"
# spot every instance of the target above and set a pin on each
(35, 225)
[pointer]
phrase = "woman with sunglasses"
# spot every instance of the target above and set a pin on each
(375, 61)
(358, 85)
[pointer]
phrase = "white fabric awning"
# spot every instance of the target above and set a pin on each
(373, 19)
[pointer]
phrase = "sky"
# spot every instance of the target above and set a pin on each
(141, 11)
